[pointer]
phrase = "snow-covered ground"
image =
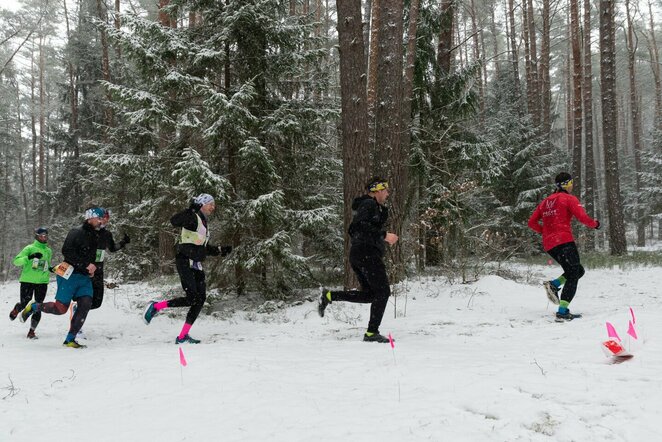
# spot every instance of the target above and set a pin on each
(480, 362)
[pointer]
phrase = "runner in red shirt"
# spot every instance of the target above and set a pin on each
(556, 212)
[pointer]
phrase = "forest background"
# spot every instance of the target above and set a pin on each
(282, 109)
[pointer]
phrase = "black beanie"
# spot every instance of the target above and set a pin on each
(561, 179)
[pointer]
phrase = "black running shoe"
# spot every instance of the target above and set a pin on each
(186, 340)
(560, 317)
(375, 337)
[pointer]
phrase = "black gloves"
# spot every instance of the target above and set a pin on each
(124, 241)
(194, 206)
(216, 250)
(51, 269)
(35, 255)
(598, 226)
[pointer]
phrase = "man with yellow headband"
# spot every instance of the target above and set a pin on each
(366, 255)
(556, 211)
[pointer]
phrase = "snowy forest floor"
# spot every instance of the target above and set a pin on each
(476, 362)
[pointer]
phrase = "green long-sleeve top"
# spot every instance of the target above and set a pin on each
(40, 275)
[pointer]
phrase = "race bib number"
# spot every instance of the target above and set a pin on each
(64, 270)
(101, 254)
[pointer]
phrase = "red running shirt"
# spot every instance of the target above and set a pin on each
(556, 212)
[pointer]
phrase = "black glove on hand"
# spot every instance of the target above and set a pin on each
(598, 226)
(126, 239)
(225, 250)
(51, 269)
(213, 250)
(194, 206)
(35, 255)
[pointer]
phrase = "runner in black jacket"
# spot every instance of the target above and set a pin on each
(74, 276)
(366, 255)
(192, 249)
(105, 242)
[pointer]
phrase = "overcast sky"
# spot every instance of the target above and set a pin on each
(10, 4)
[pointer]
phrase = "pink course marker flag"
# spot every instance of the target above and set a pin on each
(631, 330)
(182, 359)
(390, 339)
(634, 321)
(611, 331)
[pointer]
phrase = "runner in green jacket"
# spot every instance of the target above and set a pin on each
(35, 259)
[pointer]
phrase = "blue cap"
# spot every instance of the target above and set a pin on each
(95, 212)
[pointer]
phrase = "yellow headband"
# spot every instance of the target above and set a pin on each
(566, 184)
(376, 187)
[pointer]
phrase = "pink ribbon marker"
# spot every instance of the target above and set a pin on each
(634, 321)
(631, 330)
(182, 359)
(611, 331)
(390, 339)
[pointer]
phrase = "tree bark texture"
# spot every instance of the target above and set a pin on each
(545, 83)
(635, 121)
(577, 75)
(513, 46)
(354, 108)
(613, 197)
(388, 117)
(533, 53)
(446, 32)
(587, 90)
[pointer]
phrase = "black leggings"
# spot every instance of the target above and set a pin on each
(97, 286)
(568, 256)
(29, 289)
(195, 287)
(375, 289)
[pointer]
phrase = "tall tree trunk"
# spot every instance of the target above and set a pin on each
(166, 249)
(33, 116)
(42, 126)
(577, 75)
(545, 83)
(587, 90)
(475, 32)
(495, 40)
(379, 160)
(635, 120)
(402, 218)
(367, 28)
(617, 243)
(233, 175)
(105, 64)
(655, 65)
(513, 47)
(530, 90)
(533, 53)
(354, 107)
(388, 116)
(118, 24)
(446, 32)
(568, 101)
(21, 166)
(73, 108)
